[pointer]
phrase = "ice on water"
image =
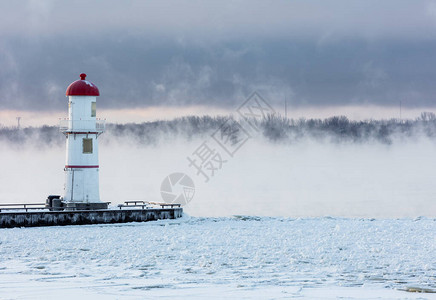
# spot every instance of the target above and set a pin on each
(235, 257)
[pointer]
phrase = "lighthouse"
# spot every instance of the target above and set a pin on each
(81, 202)
(82, 129)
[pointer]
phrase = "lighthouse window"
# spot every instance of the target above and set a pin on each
(93, 109)
(87, 145)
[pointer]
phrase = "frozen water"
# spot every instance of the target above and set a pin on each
(236, 257)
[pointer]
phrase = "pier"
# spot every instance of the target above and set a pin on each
(28, 215)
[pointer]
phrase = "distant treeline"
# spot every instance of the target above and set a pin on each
(273, 128)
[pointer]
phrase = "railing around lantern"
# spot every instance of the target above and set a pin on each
(68, 125)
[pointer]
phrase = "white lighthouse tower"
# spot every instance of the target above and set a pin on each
(82, 130)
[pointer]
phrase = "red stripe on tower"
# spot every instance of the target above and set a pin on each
(80, 167)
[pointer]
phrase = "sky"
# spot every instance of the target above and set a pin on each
(157, 59)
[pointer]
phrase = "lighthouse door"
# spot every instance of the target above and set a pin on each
(77, 184)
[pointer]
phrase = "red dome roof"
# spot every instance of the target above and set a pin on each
(82, 87)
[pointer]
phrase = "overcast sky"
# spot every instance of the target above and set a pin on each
(215, 53)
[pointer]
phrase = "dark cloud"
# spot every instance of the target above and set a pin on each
(176, 53)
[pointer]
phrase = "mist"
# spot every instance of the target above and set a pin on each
(304, 171)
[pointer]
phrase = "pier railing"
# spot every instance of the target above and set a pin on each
(127, 204)
(146, 204)
(22, 206)
(68, 125)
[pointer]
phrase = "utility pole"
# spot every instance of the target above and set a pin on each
(18, 121)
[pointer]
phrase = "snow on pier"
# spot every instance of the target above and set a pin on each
(26, 217)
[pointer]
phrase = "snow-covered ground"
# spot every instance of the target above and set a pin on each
(216, 258)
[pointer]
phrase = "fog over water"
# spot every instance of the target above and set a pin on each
(304, 177)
